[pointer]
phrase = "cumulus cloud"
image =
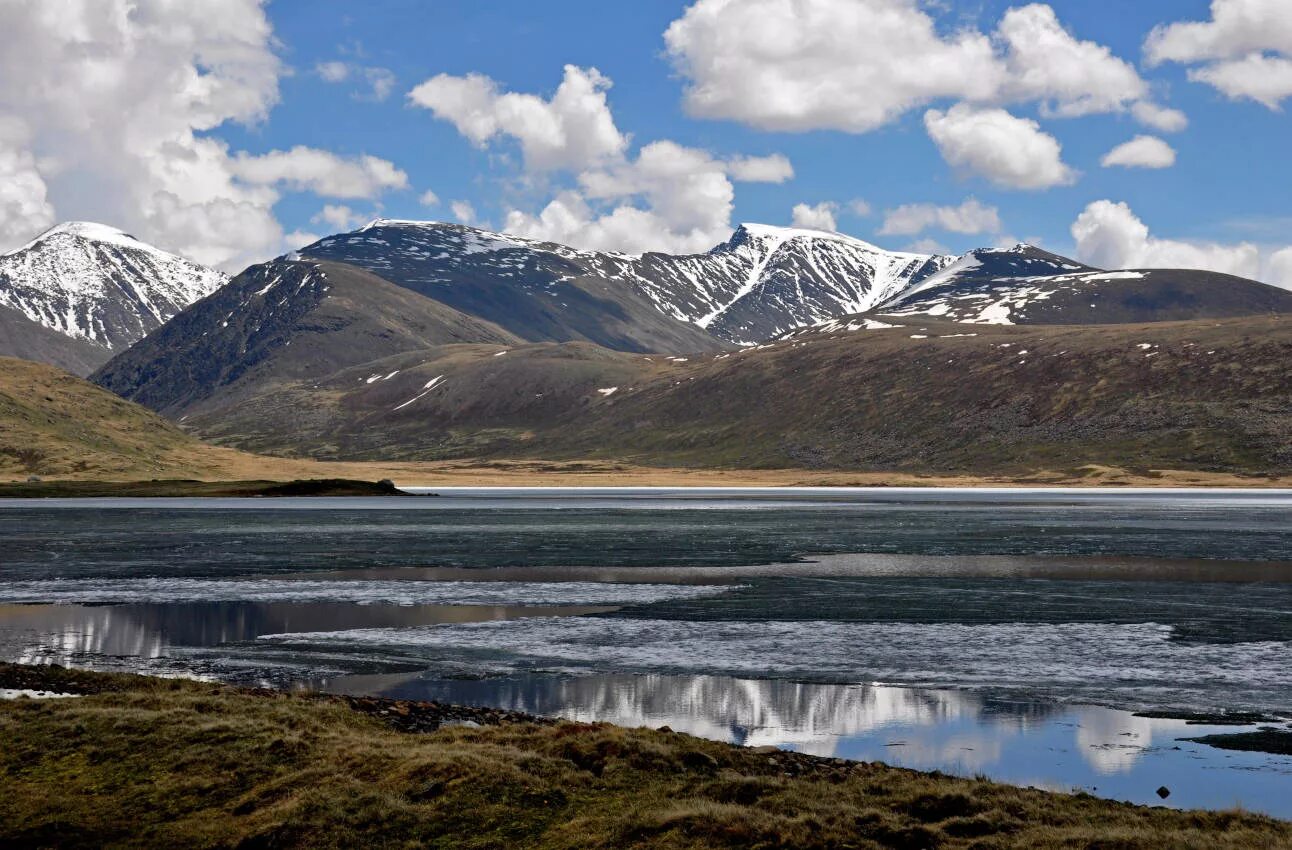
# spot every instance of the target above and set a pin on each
(1044, 62)
(855, 65)
(24, 208)
(1010, 152)
(1160, 117)
(665, 197)
(339, 217)
(1109, 235)
(572, 129)
(428, 199)
(669, 198)
(1246, 47)
(320, 172)
(115, 102)
(850, 65)
(1279, 268)
(775, 168)
(815, 216)
(971, 216)
(464, 212)
(1264, 79)
(1140, 152)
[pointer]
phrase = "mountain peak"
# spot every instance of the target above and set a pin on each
(780, 233)
(95, 282)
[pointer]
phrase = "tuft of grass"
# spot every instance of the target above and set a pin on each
(162, 763)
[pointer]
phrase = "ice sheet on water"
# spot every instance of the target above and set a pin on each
(177, 590)
(1131, 664)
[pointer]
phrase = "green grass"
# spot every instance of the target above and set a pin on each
(159, 763)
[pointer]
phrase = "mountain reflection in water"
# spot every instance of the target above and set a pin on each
(1107, 751)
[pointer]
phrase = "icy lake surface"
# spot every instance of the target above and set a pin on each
(1007, 632)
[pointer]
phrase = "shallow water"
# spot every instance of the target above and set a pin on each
(790, 615)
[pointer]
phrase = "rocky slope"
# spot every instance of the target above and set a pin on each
(21, 337)
(94, 283)
(538, 291)
(1024, 285)
(762, 281)
(279, 322)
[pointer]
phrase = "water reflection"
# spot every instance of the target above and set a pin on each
(77, 634)
(1105, 751)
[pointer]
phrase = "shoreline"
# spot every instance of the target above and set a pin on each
(309, 770)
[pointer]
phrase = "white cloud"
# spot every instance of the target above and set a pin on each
(666, 197)
(972, 216)
(670, 198)
(1236, 28)
(1010, 152)
(817, 216)
(1264, 79)
(298, 239)
(572, 130)
(428, 199)
(1159, 117)
(1236, 43)
(333, 72)
(339, 217)
(1111, 236)
(114, 97)
(1140, 152)
(1279, 268)
(320, 172)
(24, 208)
(116, 101)
(927, 245)
(1069, 77)
(850, 65)
(380, 81)
(859, 207)
(855, 65)
(464, 212)
(775, 168)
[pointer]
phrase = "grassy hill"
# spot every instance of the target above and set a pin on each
(928, 397)
(53, 423)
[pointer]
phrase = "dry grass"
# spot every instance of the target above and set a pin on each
(171, 764)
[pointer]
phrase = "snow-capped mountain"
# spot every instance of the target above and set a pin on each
(765, 280)
(95, 283)
(761, 281)
(1025, 285)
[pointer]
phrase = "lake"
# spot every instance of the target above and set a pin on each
(1013, 633)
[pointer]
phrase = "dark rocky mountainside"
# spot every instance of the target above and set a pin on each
(282, 321)
(23, 338)
(538, 291)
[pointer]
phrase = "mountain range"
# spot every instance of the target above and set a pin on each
(419, 340)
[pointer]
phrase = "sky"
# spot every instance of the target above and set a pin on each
(1125, 134)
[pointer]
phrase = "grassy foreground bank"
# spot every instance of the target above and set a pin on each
(158, 763)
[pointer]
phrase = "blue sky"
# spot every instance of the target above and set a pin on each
(1223, 201)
